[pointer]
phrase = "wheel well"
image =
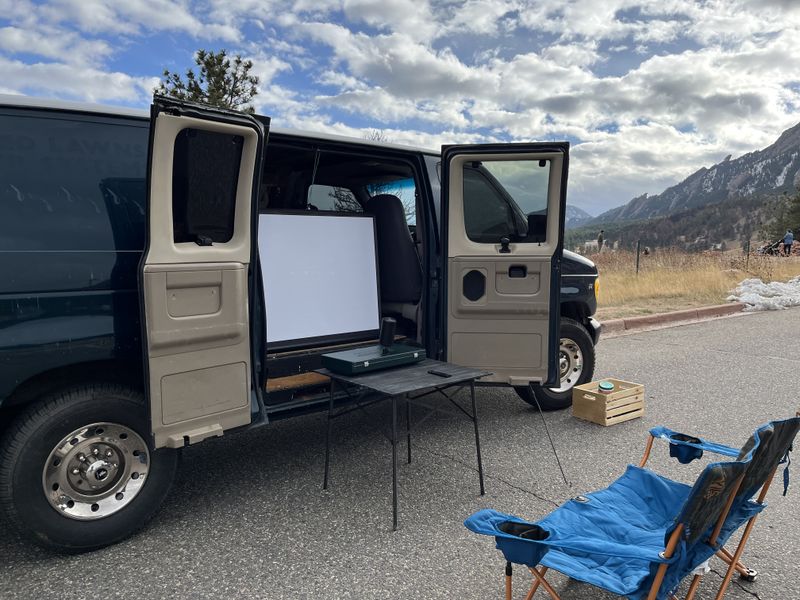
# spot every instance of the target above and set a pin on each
(103, 371)
(575, 310)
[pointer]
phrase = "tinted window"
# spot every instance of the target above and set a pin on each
(506, 199)
(405, 190)
(71, 184)
(326, 197)
(205, 174)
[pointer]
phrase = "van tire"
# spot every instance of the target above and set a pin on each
(572, 332)
(27, 447)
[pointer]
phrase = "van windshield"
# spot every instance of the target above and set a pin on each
(405, 189)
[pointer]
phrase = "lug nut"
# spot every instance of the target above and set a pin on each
(82, 457)
(76, 471)
(109, 453)
(95, 451)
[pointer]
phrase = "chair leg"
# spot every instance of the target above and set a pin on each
(539, 577)
(662, 568)
(534, 586)
(735, 559)
(509, 572)
(693, 587)
(726, 557)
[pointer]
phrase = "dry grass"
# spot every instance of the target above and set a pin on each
(673, 280)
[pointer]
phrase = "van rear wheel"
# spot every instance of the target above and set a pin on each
(76, 473)
(576, 367)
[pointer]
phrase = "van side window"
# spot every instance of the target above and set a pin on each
(313, 179)
(328, 197)
(505, 198)
(71, 183)
(205, 174)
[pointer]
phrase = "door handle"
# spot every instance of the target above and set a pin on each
(518, 271)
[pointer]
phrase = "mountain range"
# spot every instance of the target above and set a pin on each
(741, 185)
(575, 217)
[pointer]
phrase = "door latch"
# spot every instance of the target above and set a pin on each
(518, 271)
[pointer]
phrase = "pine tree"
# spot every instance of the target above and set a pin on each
(784, 211)
(219, 82)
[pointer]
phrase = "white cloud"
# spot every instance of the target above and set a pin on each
(135, 16)
(413, 17)
(648, 90)
(76, 82)
(53, 43)
(482, 17)
(568, 55)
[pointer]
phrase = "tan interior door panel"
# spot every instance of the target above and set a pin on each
(196, 308)
(499, 295)
(199, 359)
(505, 329)
(195, 294)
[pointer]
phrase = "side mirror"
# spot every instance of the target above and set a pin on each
(520, 224)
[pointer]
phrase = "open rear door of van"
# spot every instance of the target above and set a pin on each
(194, 275)
(503, 223)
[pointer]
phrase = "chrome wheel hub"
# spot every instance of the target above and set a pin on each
(570, 364)
(95, 471)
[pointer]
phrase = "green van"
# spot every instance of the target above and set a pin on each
(138, 313)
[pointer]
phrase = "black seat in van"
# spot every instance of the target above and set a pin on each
(400, 268)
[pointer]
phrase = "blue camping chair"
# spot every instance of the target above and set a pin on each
(641, 536)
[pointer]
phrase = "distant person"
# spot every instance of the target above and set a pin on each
(600, 240)
(788, 240)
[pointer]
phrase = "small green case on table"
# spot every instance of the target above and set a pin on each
(372, 358)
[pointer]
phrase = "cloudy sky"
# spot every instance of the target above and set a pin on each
(647, 92)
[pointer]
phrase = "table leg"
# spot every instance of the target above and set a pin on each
(408, 428)
(328, 437)
(394, 463)
(477, 435)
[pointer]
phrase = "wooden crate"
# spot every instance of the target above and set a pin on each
(626, 402)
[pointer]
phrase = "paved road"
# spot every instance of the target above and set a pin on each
(247, 517)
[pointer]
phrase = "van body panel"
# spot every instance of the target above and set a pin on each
(77, 304)
(71, 235)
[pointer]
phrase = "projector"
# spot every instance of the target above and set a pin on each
(383, 355)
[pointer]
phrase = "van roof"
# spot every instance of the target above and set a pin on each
(14, 100)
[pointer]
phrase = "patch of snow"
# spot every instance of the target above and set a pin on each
(782, 177)
(758, 167)
(708, 180)
(758, 295)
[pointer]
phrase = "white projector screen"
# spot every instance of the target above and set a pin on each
(320, 276)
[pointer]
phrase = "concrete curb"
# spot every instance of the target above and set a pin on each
(678, 316)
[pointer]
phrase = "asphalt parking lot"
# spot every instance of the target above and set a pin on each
(247, 517)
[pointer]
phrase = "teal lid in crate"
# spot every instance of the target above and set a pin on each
(606, 387)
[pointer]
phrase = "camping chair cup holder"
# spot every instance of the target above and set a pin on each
(685, 453)
(642, 535)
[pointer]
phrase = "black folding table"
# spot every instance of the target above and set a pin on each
(414, 383)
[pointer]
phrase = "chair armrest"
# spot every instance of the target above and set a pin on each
(681, 445)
